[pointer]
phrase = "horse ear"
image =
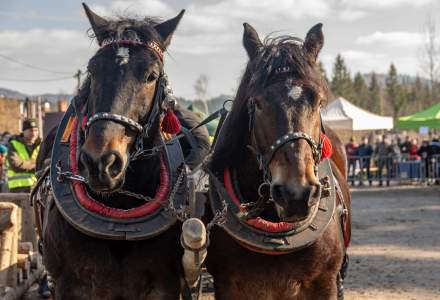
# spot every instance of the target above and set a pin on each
(314, 41)
(167, 28)
(251, 41)
(99, 24)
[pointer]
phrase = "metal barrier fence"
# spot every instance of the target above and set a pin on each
(400, 169)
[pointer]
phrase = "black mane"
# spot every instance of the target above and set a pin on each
(276, 53)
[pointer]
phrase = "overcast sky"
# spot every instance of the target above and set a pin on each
(51, 34)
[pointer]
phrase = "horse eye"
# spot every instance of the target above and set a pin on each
(151, 77)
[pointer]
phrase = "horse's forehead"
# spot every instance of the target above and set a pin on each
(294, 92)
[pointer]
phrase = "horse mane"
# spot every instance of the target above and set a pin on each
(276, 53)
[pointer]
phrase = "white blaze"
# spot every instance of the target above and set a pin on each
(295, 92)
(123, 54)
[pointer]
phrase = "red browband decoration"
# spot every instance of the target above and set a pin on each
(152, 45)
(96, 207)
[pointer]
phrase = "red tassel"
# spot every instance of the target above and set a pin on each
(327, 148)
(170, 122)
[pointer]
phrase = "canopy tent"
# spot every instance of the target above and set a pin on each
(427, 118)
(341, 114)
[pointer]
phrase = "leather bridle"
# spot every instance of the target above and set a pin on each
(163, 93)
(264, 158)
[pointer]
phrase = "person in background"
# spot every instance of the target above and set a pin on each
(3, 152)
(413, 150)
(424, 152)
(351, 150)
(382, 160)
(434, 159)
(364, 151)
(405, 147)
(21, 158)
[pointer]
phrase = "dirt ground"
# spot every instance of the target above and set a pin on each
(395, 250)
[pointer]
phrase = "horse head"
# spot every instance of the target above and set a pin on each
(276, 118)
(123, 79)
(285, 92)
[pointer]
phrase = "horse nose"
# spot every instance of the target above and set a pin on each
(286, 196)
(109, 165)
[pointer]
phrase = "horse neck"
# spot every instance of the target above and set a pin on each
(249, 176)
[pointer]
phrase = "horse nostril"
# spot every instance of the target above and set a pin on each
(277, 191)
(112, 163)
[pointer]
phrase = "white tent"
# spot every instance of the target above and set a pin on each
(341, 114)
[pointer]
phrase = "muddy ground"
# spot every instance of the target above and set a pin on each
(395, 250)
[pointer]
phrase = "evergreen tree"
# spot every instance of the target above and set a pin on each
(375, 102)
(396, 95)
(323, 72)
(361, 90)
(341, 84)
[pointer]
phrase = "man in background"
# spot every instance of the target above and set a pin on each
(365, 150)
(3, 152)
(21, 158)
(351, 150)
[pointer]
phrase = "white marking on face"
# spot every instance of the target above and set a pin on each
(295, 92)
(123, 54)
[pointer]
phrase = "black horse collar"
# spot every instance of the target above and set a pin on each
(276, 242)
(101, 226)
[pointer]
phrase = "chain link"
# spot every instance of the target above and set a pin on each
(181, 213)
(219, 218)
(62, 175)
(135, 195)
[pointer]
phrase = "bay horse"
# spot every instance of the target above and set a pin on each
(106, 233)
(288, 222)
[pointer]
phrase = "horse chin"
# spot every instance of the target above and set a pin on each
(107, 188)
(294, 217)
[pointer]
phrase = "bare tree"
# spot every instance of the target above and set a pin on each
(431, 53)
(201, 89)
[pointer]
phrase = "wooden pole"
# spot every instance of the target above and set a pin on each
(8, 246)
(26, 228)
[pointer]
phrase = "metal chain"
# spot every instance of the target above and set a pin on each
(182, 212)
(218, 219)
(62, 175)
(135, 195)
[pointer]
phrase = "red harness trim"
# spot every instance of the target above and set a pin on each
(96, 207)
(327, 148)
(259, 223)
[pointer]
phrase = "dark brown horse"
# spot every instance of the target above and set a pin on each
(269, 148)
(117, 98)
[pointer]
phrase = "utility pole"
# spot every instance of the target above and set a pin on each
(78, 79)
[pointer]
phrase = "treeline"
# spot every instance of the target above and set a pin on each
(393, 94)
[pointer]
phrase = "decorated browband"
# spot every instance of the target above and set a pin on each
(152, 45)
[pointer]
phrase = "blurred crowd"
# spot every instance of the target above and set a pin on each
(386, 154)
